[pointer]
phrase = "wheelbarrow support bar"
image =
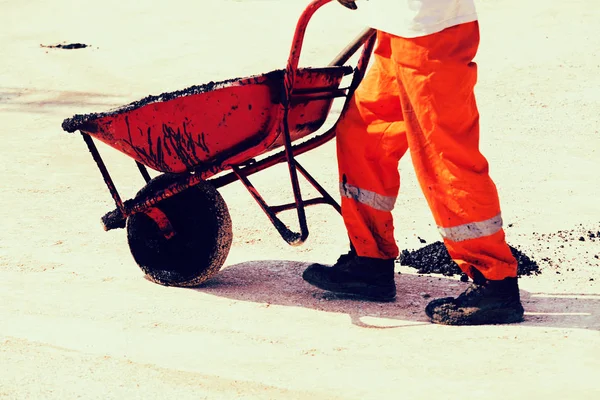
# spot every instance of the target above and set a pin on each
(291, 70)
(104, 171)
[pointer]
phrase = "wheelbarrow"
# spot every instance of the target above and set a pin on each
(205, 137)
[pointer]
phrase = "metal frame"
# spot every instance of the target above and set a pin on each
(117, 217)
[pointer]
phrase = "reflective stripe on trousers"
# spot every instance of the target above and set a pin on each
(473, 230)
(371, 199)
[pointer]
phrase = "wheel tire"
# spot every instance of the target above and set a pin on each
(203, 235)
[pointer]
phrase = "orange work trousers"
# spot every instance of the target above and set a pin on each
(419, 95)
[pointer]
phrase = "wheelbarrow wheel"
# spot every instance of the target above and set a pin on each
(202, 239)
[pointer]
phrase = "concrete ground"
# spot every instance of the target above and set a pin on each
(78, 319)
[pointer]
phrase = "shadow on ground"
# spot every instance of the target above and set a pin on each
(280, 283)
(41, 101)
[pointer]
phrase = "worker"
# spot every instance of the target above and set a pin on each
(418, 95)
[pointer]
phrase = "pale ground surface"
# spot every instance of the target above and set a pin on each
(77, 319)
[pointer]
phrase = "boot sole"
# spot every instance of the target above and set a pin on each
(476, 316)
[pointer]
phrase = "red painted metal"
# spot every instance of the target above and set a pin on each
(104, 171)
(327, 199)
(162, 221)
(204, 130)
(288, 235)
(143, 171)
(223, 123)
(365, 36)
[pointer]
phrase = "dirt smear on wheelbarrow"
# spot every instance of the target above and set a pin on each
(434, 259)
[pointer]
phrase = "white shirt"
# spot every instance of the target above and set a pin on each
(414, 18)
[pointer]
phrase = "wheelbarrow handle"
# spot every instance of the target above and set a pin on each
(294, 58)
(297, 42)
(289, 78)
(352, 47)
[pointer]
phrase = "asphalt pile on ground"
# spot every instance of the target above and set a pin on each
(551, 249)
(66, 46)
(434, 259)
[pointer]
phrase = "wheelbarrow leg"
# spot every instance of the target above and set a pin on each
(327, 198)
(366, 38)
(104, 171)
(291, 161)
(292, 238)
(143, 171)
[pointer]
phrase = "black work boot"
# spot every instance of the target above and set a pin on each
(484, 302)
(364, 277)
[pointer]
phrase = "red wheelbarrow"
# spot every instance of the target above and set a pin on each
(205, 137)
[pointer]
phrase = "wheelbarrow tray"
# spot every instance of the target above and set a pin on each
(228, 122)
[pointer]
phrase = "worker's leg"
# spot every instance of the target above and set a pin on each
(442, 119)
(436, 78)
(370, 141)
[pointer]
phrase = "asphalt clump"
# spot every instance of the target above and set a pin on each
(434, 259)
